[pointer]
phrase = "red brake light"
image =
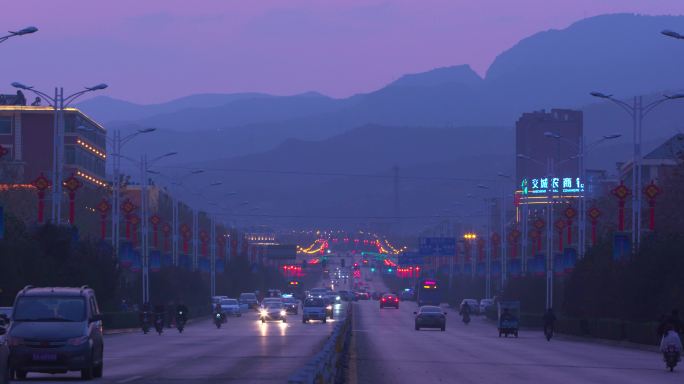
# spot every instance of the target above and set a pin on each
(383, 299)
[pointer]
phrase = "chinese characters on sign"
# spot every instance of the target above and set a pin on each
(552, 184)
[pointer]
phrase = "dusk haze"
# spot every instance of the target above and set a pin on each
(342, 191)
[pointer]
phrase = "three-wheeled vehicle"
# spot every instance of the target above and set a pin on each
(509, 318)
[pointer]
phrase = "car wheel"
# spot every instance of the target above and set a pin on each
(97, 371)
(324, 320)
(417, 328)
(263, 321)
(284, 320)
(443, 328)
(20, 375)
(87, 373)
(303, 321)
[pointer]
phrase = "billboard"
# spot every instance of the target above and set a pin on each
(437, 246)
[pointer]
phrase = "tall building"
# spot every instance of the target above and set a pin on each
(26, 152)
(544, 156)
(26, 136)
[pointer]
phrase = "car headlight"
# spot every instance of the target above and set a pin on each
(329, 307)
(337, 298)
(78, 340)
(263, 312)
(283, 313)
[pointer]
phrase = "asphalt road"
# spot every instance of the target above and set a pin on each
(243, 350)
(389, 350)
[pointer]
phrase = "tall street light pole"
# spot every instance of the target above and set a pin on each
(637, 111)
(582, 149)
(58, 103)
(21, 32)
(488, 244)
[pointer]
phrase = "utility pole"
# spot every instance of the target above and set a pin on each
(396, 198)
(144, 235)
(212, 248)
(195, 237)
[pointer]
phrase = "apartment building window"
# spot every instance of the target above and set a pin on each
(5, 125)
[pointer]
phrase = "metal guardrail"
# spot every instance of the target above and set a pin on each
(327, 366)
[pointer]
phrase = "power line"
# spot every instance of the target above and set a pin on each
(338, 174)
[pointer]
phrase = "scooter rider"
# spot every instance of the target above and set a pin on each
(671, 341)
(465, 311)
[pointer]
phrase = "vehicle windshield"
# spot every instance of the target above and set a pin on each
(229, 302)
(247, 296)
(289, 300)
(274, 306)
(314, 303)
(50, 308)
(431, 310)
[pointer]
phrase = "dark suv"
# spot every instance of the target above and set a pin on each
(55, 330)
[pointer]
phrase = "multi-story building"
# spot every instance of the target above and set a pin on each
(548, 155)
(658, 163)
(27, 149)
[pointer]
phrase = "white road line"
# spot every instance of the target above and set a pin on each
(128, 380)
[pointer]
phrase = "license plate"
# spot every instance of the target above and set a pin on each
(45, 357)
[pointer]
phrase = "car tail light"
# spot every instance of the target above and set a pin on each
(383, 299)
(78, 340)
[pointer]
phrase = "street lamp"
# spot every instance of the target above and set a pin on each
(58, 103)
(637, 111)
(582, 150)
(672, 34)
(21, 32)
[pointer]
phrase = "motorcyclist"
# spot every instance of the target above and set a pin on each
(218, 310)
(549, 320)
(465, 311)
(159, 314)
(671, 342)
(182, 310)
(145, 312)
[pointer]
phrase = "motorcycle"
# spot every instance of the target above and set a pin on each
(159, 324)
(548, 332)
(145, 322)
(218, 320)
(671, 357)
(180, 321)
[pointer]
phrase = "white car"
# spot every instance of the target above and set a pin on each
(484, 304)
(231, 307)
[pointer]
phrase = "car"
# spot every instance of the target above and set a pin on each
(345, 295)
(250, 299)
(4, 353)
(273, 311)
(55, 330)
(376, 295)
(270, 300)
(363, 296)
(231, 307)
(472, 303)
(274, 293)
(407, 295)
(484, 304)
(291, 305)
(389, 300)
(430, 316)
(318, 292)
(314, 308)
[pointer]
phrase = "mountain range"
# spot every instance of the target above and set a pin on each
(446, 118)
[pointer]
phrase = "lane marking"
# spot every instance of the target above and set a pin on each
(128, 380)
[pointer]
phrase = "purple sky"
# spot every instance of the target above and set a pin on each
(155, 50)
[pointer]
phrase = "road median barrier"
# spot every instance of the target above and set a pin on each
(327, 366)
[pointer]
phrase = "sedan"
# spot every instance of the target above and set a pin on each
(389, 300)
(291, 306)
(231, 307)
(430, 316)
(273, 312)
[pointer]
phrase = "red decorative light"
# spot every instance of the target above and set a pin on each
(539, 224)
(128, 207)
(621, 191)
(652, 191)
(155, 220)
(570, 213)
(594, 213)
(72, 184)
(3, 151)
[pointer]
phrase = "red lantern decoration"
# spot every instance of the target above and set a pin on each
(570, 214)
(103, 207)
(135, 220)
(560, 225)
(480, 249)
(128, 207)
(72, 184)
(204, 238)
(496, 241)
(166, 229)
(155, 220)
(185, 233)
(41, 184)
(651, 192)
(513, 237)
(594, 214)
(3, 151)
(621, 192)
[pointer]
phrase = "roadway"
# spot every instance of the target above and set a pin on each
(389, 350)
(243, 350)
